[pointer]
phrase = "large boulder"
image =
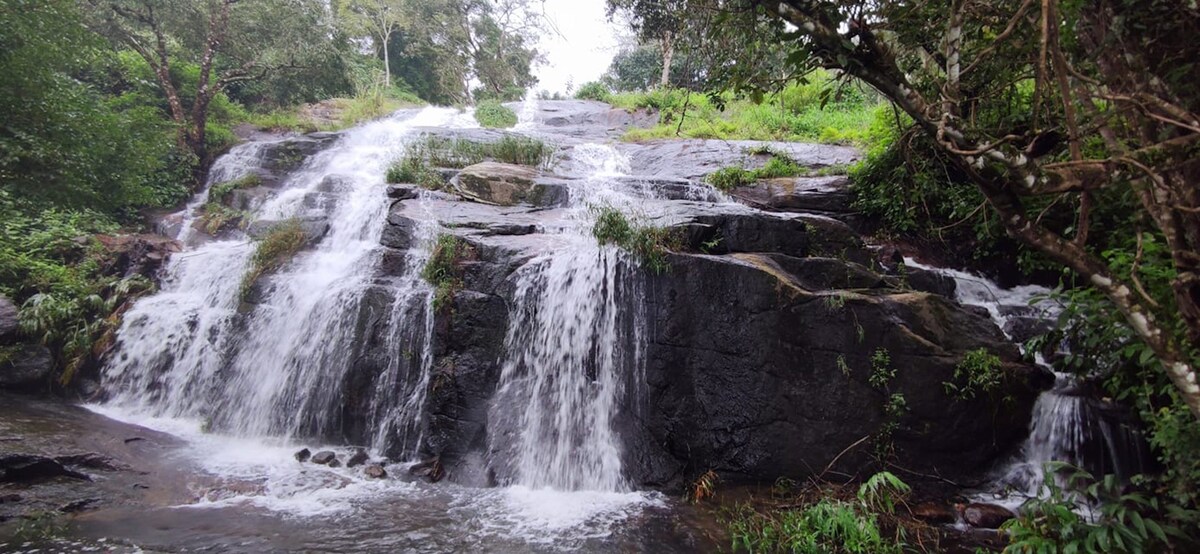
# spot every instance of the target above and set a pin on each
(26, 366)
(314, 227)
(829, 194)
(768, 378)
(8, 320)
(504, 184)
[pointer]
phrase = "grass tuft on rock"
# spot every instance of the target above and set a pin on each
(442, 270)
(220, 191)
(422, 156)
(649, 243)
(780, 165)
(276, 248)
(494, 115)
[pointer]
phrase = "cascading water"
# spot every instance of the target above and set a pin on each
(1066, 426)
(575, 347)
(278, 369)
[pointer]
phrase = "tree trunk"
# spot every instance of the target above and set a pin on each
(668, 52)
(387, 62)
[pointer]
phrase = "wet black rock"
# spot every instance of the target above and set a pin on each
(303, 455)
(360, 457)
(375, 471)
(8, 320)
(798, 194)
(26, 468)
(81, 505)
(335, 463)
(429, 469)
(27, 367)
(9, 498)
(402, 192)
(987, 516)
(324, 457)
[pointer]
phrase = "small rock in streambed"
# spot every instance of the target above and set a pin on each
(303, 455)
(9, 498)
(375, 471)
(335, 463)
(359, 458)
(430, 469)
(79, 506)
(987, 516)
(324, 457)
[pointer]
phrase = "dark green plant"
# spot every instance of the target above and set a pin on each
(650, 244)
(978, 372)
(494, 115)
(729, 178)
(882, 371)
(1124, 522)
(827, 525)
(594, 90)
(779, 165)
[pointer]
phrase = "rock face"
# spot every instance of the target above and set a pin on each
(26, 366)
(8, 320)
(505, 185)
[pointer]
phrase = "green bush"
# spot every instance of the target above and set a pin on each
(729, 178)
(650, 244)
(494, 115)
(978, 372)
(594, 90)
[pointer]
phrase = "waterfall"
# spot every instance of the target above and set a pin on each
(574, 347)
(1066, 426)
(280, 367)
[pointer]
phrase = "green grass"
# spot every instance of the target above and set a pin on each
(220, 191)
(274, 250)
(493, 115)
(218, 217)
(443, 271)
(416, 166)
(817, 111)
(650, 244)
(345, 113)
(779, 165)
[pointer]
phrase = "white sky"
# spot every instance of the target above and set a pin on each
(582, 49)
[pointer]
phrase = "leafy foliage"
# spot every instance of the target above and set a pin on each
(594, 90)
(1120, 521)
(979, 372)
(827, 525)
(494, 115)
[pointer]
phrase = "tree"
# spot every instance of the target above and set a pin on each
(1112, 109)
(380, 19)
(230, 41)
(655, 21)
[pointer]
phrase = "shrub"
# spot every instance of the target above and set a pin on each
(779, 165)
(275, 249)
(1126, 522)
(729, 178)
(979, 371)
(594, 90)
(494, 115)
(650, 244)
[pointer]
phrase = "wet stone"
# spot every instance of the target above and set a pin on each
(324, 457)
(987, 516)
(303, 455)
(335, 463)
(375, 471)
(359, 458)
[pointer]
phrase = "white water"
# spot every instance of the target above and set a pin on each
(1062, 421)
(574, 346)
(277, 370)
(269, 378)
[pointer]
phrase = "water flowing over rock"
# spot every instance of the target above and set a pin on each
(742, 338)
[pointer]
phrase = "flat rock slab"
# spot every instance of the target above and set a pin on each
(499, 184)
(696, 158)
(798, 194)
